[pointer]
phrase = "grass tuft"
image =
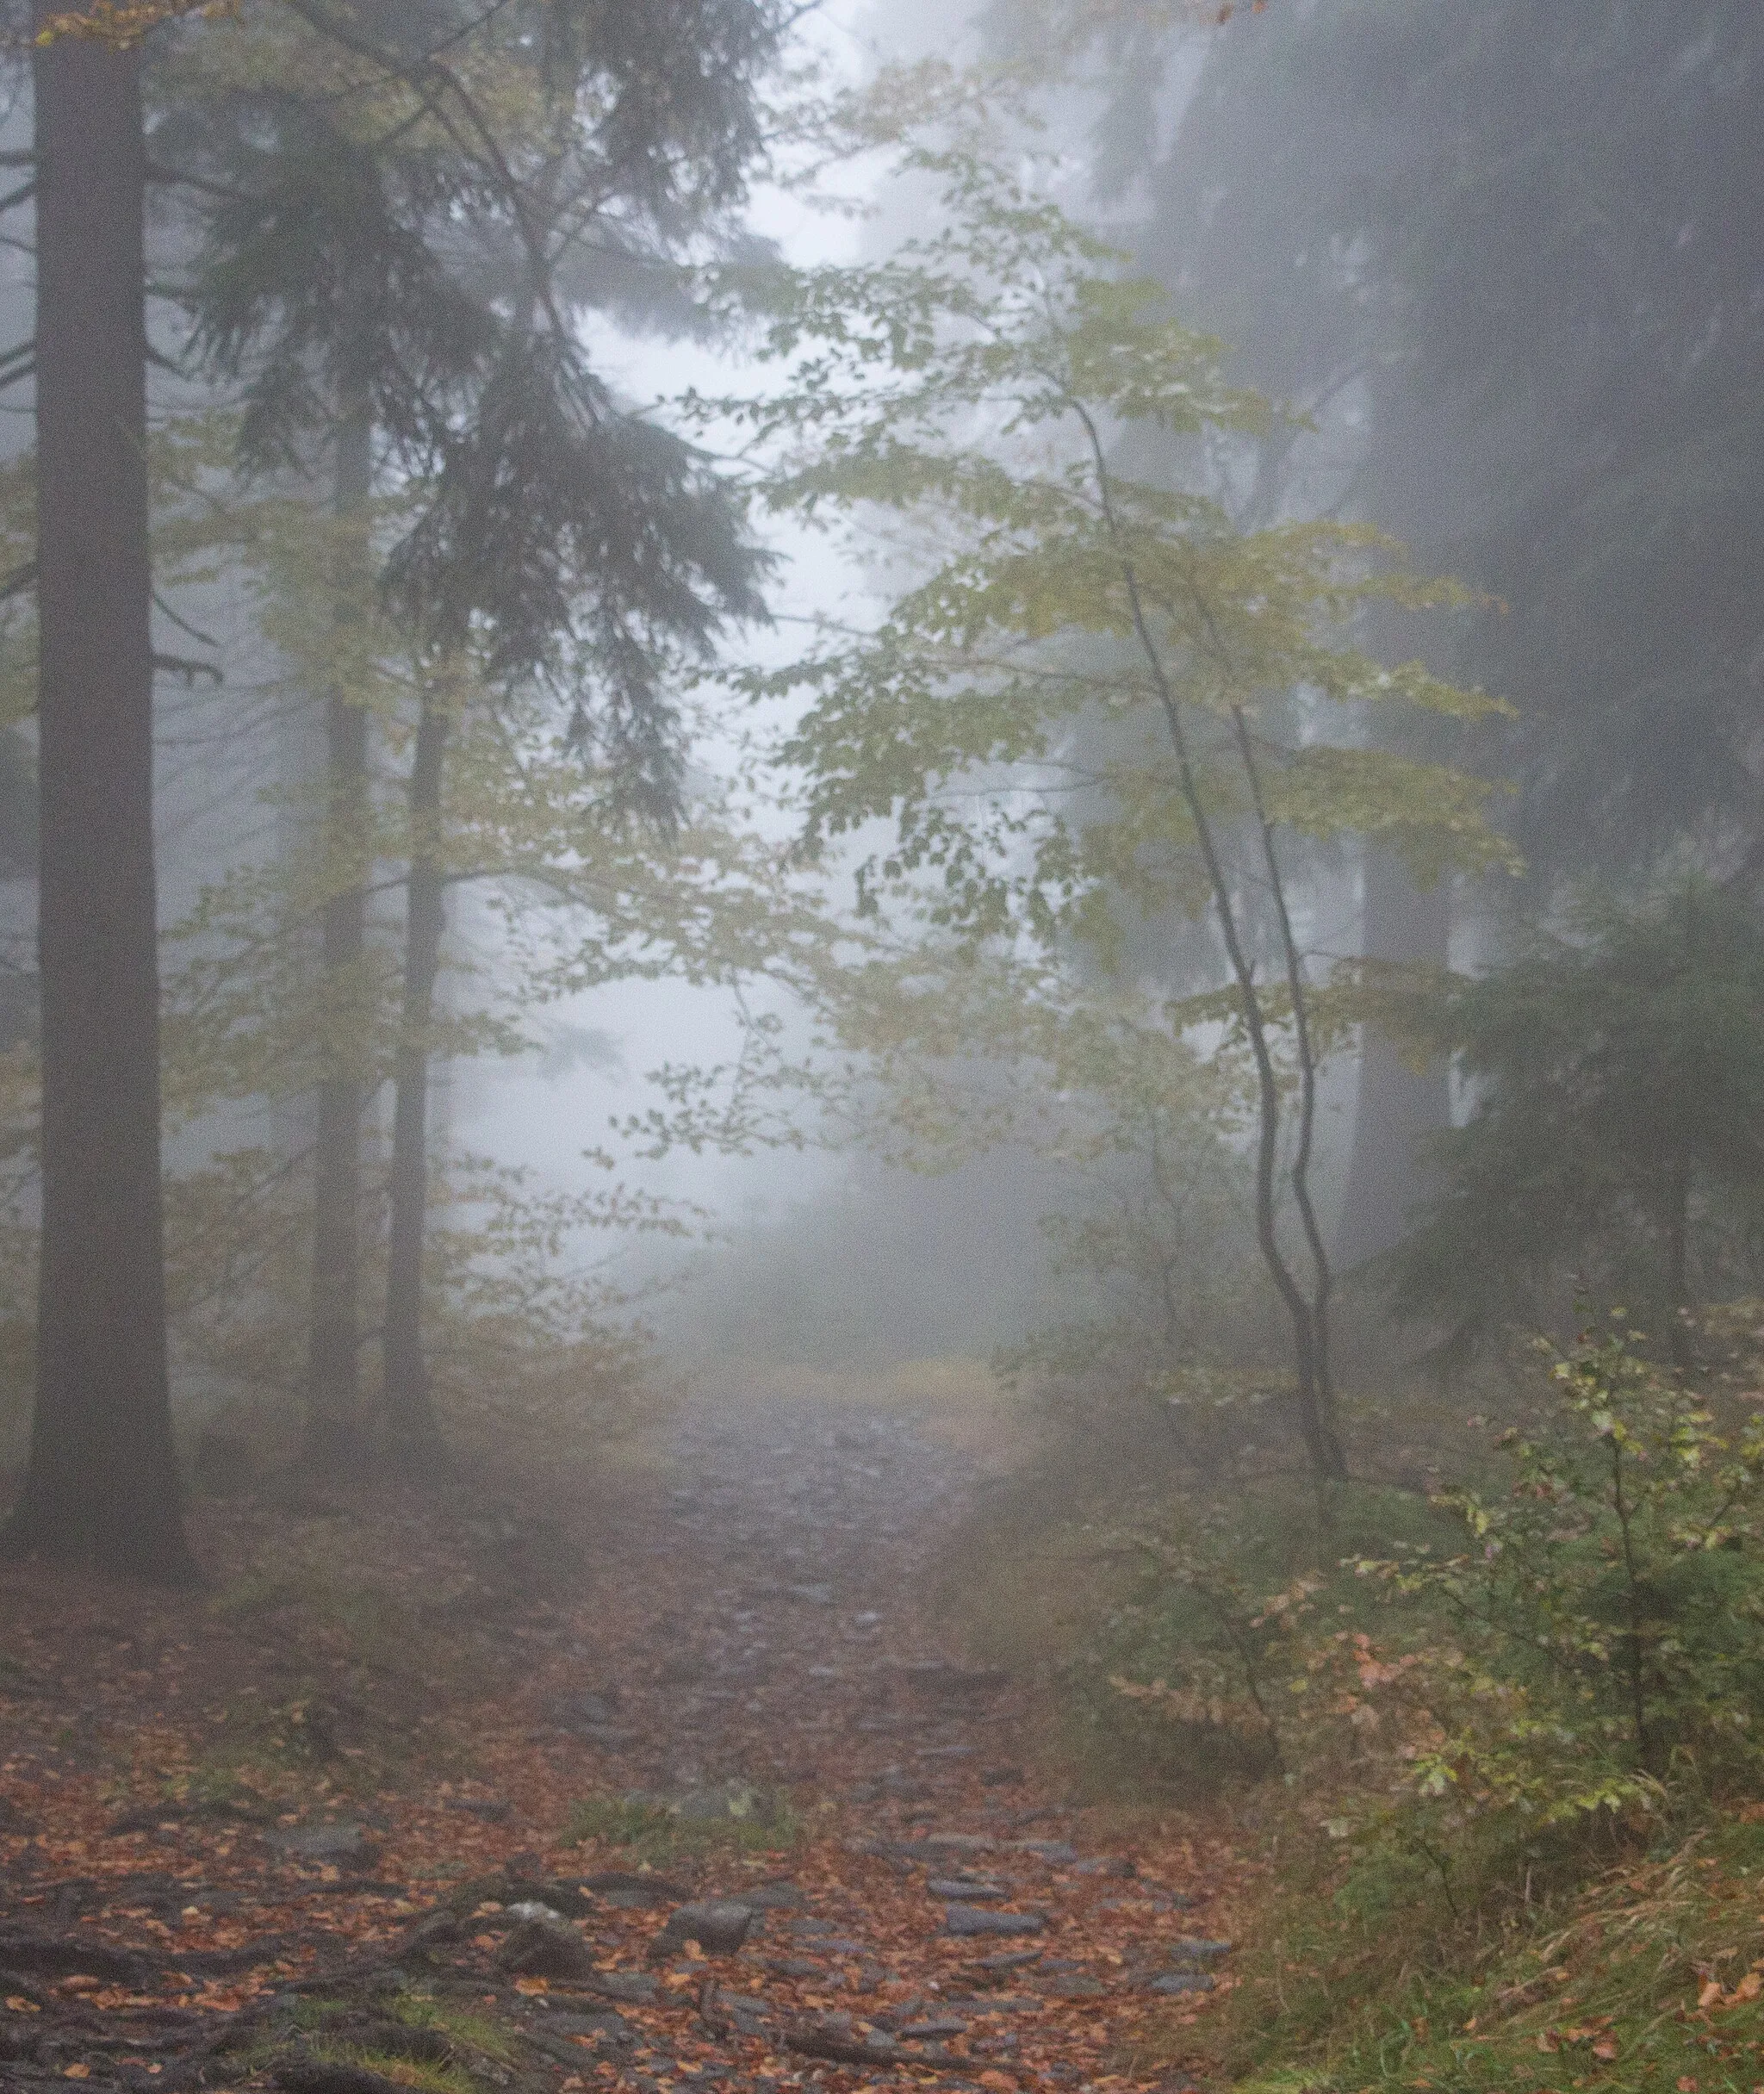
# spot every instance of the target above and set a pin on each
(461, 2025)
(653, 1829)
(1648, 1980)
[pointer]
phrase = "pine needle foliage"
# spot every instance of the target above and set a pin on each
(1619, 1083)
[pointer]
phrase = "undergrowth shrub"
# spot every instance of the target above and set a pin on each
(1497, 1682)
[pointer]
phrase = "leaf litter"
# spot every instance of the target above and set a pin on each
(671, 1790)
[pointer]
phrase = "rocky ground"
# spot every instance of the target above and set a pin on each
(670, 1784)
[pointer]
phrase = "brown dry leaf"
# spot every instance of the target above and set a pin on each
(1710, 1993)
(1606, 2049)
(427, 1843)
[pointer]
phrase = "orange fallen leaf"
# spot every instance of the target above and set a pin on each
(76, 2071)
(1606, 2049)
(1710, 1993)
(992, 2079)
(1749, 1986)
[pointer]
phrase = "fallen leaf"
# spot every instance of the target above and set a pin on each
(1710, 1993)
(1749, 1986)
(76, 2071)
(1606, 2049)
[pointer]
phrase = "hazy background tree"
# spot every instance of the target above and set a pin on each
(402, 249)
(1501, 255)
(1613, 1145)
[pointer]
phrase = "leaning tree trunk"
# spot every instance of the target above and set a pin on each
(102, 1487)
(334, 1434)
(409, 1411)
(1396, 1106)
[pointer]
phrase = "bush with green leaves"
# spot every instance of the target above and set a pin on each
(1587, 1647)
(1615, 1595)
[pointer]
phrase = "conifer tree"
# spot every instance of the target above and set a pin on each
(569, 541)
(101, 1484)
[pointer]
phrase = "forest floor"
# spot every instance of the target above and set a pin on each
(662, 1781)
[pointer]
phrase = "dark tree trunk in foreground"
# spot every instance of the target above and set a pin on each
(409, 1411)
(102, 1487)
(1396, 1106)
(334, 1364)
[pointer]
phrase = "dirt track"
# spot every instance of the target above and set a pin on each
(390, 1725)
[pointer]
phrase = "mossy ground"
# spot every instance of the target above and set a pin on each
(655, 1832)
(1650, 1979)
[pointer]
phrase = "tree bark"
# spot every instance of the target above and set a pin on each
(1677, 1243)
(409, 1410)
(333, 1433)
(102, 1485)
(1396, 1107)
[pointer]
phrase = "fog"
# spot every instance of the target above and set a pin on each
(936, 1267)
(881, 1046)
(1206, 978)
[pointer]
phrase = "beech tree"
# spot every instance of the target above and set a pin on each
(975, 386)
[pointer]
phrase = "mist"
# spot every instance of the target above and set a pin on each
(881, 985)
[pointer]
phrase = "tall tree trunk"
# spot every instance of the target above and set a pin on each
(1396, 1107)
(1678, 1260)
(102, 1487)
(409, 1411)
(333, 1368)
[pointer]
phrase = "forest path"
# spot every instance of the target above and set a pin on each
(700, 1802)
